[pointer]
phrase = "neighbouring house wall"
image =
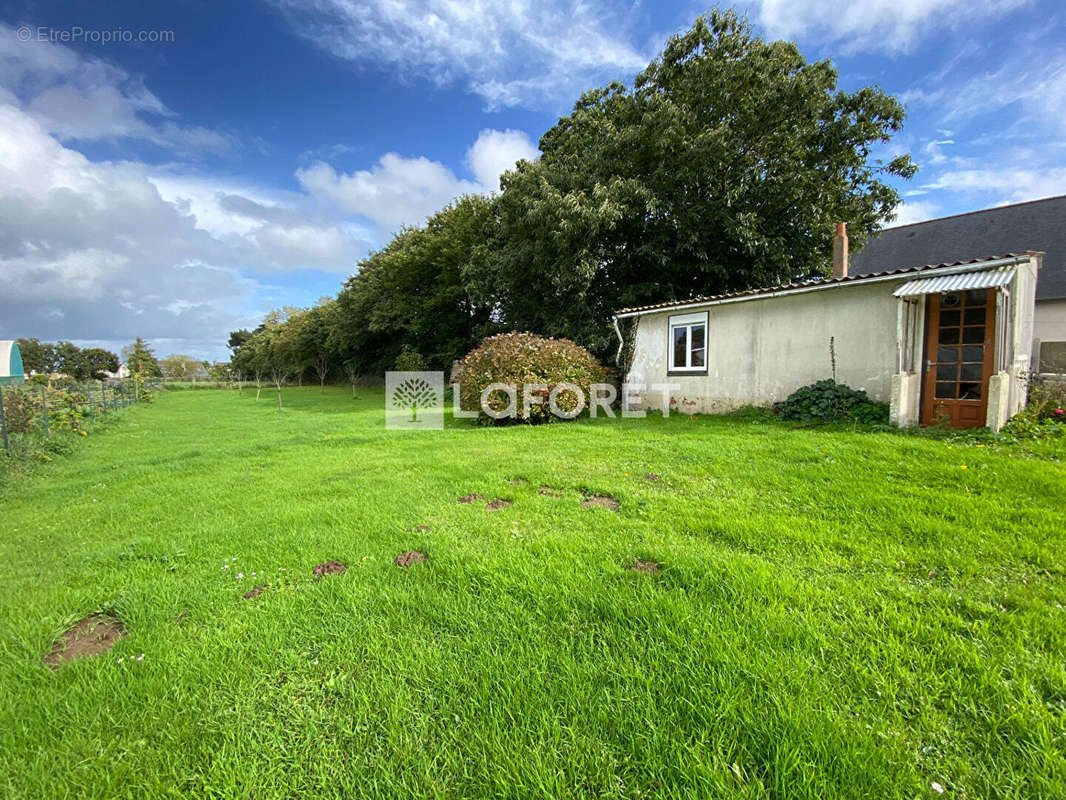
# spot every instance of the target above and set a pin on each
(761, 350)
(1049, 333)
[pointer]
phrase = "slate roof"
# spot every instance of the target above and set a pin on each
(1036, 225)
(852, 278)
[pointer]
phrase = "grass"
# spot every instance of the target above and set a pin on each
(839, 614)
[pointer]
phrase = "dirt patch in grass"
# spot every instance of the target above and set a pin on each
(470, 498)
(498, 503)
(518, 481)
(184, 615)
(549, 491)
(647, 567)
(420, 528)
(254, 593)
(601, 501)
(410, 558)
(89, 637)
(329, 568)
(651, 476)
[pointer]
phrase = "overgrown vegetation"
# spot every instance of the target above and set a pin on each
(831, 614)
(829, 401)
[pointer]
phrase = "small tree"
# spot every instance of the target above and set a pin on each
(351, 369)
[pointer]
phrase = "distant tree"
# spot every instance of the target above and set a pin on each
(237, 338)
(94, 362)
(179, 367)
(68, 359)
(37, 356)
(140, 359)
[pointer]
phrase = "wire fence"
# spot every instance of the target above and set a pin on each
(32, 416)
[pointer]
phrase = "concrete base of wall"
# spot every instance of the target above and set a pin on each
(999, 410)
(905, 402)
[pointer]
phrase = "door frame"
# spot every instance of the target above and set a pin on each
(927, 404)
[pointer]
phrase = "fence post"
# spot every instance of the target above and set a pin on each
(3, 423)
(92, 405)
(44, 408)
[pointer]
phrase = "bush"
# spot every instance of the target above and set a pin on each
(523, 358)
(829, 401)
(1044, 415)
(410, 361)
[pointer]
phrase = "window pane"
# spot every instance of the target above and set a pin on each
(973, 353)
(947, 372)
(947, 355)
(969, 391)
(698, 344)
(680, 348)
(949, 336)
(945, 391)
(972, 372)
(949, 318)
(975, 316)
(973, 335)
(976, 297)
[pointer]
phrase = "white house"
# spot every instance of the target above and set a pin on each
(944, 343)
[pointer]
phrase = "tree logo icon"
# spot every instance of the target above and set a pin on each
(414, 400)
(414, 393)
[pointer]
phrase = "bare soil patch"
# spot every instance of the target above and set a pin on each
(651, 476)
(498, 503)
(329, 568)
(647, 567)
(518, 481)
(89, 637)
(254, 593)
(420, 528)
(470, 498)
(601, 501)
(410, 558)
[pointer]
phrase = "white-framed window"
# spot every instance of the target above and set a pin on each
(688, 342)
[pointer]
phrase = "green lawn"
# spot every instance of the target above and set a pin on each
(839, 614)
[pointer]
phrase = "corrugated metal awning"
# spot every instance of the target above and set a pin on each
(982, 279)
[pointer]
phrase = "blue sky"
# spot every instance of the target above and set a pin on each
(178, 189)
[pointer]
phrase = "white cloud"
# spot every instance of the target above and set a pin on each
(1004, 184)
(915, 211)
(510, 52)
(404, 191)
(1029, 80)
(81, 98)
(495, 152)
(884, 25)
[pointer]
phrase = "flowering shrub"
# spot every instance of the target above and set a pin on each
(517, 359)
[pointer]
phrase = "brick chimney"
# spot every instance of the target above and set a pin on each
(840, 251)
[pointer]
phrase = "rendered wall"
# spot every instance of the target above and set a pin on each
(761, 350)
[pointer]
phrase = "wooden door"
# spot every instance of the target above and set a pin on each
(960, 332)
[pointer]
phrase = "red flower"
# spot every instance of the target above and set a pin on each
(1059, 411)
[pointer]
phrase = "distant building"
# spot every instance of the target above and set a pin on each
(10, 362)
(119, 374)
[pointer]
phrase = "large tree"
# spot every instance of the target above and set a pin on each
(418, 291)
(140, 359)
(724, 167)
(37, 356)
